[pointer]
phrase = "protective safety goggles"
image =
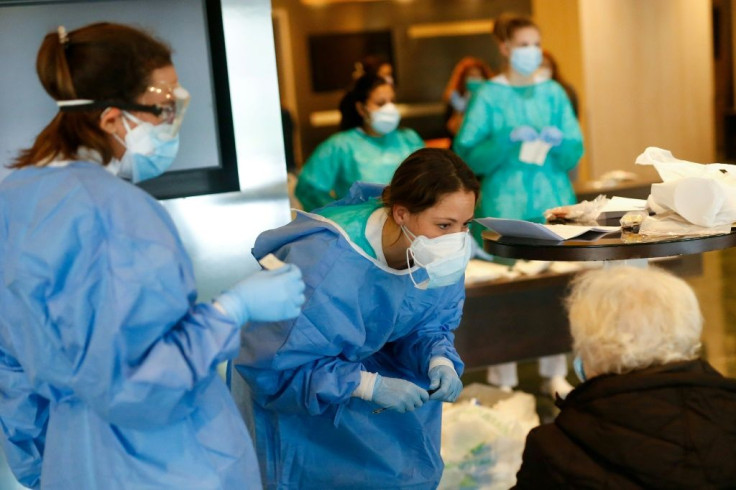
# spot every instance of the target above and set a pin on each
(168, 103)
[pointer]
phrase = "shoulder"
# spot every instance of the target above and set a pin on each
(85, 191)
(337, 143)
(345, 137)
(552, 88)
(408, 133)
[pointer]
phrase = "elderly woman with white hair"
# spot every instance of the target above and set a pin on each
(649, 413)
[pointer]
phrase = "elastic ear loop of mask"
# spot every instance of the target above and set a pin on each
(126, 115)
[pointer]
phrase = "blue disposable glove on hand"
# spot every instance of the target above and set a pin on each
(445, 380)
(551, 135)
(265, 296)
(398, 394)
(523, 133)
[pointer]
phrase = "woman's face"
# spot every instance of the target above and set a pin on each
(379, 96)
(526, 36)
(474, 73)
(163, 82)
(451, 214)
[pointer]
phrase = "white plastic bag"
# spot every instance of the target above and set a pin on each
(704, 195)
(482, 446)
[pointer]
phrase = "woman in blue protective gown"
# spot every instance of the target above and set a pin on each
(521, 138)
(368, 149)
(107, 362)
(340, 396)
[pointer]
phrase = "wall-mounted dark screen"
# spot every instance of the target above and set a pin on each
(206, 162)
(333, 56)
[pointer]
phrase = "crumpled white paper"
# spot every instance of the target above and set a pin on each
(703, 194)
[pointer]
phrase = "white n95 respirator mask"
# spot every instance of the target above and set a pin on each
(444, 258)
(385, 119)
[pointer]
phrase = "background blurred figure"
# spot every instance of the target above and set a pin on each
(549, 70)
(369, 147)
(469, 73)
(375, 64)
(511, 114)
(649, 413)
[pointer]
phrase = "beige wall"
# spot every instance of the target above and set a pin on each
(560, 26)
(647, 76)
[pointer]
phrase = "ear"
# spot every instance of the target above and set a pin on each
(400, 214)
(110, 119)
(360, 107)
(504, 49)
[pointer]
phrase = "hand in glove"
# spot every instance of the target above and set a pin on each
(551, 135)
(523, 133)
(265, 296)
(445, 383)
(398, 394)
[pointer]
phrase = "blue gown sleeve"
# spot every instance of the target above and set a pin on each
(483, 139)
(24, 426)
(433, 336)
(304, 365)
(107, 313)
(319, 174)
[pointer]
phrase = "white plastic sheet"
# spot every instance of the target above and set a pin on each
(703, 194)
(482, 446)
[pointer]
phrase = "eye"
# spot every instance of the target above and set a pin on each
(168, 113)
(443, 226)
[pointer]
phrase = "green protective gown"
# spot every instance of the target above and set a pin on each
(511, 188)
(351, 156)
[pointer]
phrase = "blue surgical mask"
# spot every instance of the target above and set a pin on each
(526, 59)
(385, 119)
(149, 149)
(458, 102)
(444, 257)
(577, 365)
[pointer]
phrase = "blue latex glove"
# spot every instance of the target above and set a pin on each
(445, 380)
(265, 296)
(398, 394)
(551, 135)
(523, 133)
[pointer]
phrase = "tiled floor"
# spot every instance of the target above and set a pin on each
(716, 290)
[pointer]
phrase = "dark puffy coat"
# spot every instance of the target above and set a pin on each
(666, 427)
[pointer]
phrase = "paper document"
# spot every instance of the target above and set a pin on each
(534, 152)
(625, 204)
(270, 262)
(618, 206)
(527, 229)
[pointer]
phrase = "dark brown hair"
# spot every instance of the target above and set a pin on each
(425, 176)
(100, 62)
(457, 79)
(507, 24)
(360, 92)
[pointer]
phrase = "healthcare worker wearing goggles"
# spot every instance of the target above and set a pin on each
(368, 149)
(349, 394)
(107, 362)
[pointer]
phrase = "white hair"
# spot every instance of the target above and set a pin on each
(625, 318)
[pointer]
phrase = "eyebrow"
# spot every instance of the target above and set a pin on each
(453, 220)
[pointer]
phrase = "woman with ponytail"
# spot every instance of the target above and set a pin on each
(107, 362)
